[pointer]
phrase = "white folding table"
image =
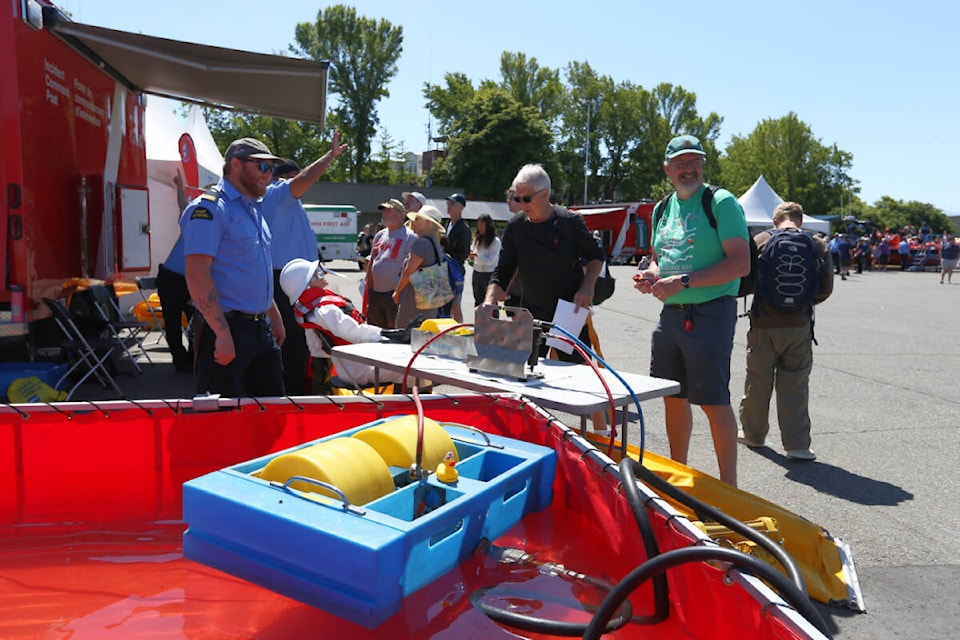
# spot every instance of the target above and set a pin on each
(566, 387)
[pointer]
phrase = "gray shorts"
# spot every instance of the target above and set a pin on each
(698, 359)
(946, 263)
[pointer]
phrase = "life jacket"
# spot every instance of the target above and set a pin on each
(315, 298)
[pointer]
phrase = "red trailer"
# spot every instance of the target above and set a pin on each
(73, 168)
(624, 228)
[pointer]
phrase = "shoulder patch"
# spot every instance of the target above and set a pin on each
(212, 197)
(201, 213)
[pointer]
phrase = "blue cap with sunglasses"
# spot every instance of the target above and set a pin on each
(249, 148)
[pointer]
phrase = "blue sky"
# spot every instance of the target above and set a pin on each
(878, 79)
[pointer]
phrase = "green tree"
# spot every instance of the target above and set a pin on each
(895, 214)
(302, 142)
(797, 165)
(446, 102)
(532, 85)
(363, 53)
(490, 139)
(668, 111)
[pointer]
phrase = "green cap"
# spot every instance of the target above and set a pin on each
(681, 145)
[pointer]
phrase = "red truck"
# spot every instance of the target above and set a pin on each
(624, 228)
(74, 203)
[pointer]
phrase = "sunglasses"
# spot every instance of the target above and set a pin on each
(527, 198)
(263, 165)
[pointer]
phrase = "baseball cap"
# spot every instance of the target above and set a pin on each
(392, 203)
(415, 194)
(458, 197)
(681, 145)
(249, 148)
(285, 167)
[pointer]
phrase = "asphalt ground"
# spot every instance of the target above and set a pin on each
(885, 410)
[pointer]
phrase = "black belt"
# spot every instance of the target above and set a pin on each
(690, 305)
(240, 315)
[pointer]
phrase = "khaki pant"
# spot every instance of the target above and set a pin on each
(778, 359)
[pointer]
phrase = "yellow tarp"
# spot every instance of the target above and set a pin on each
(812, 549)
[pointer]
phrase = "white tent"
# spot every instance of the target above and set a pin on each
(163, 130)
(760, 200)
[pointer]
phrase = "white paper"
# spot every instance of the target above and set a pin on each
(570, 318)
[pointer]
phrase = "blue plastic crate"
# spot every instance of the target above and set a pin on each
(49, 372)
(360, 564)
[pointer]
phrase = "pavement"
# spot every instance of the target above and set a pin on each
(886, 429)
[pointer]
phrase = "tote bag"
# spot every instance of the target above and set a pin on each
(431, 285)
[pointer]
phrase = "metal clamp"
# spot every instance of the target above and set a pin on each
(486, 437)
(345, 502)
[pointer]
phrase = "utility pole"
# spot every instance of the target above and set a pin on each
(590, 104)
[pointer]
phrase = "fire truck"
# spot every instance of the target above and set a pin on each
(74, 200)
(624, 228)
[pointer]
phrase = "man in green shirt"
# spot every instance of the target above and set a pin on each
(695, 270)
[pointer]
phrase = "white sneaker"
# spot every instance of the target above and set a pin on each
(801, 454)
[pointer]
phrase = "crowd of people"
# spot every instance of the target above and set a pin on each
(914, 250)
(265, 320)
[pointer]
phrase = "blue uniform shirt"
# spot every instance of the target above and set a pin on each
(175, 261)
(289, 225)
(231, 229)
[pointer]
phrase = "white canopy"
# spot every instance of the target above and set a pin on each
(760, 200)
(163, 130)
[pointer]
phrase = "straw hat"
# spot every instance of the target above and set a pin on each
(427, 213)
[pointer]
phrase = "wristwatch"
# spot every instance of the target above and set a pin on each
(685, 280)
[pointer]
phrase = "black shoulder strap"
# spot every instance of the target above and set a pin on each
(706, 201)
(658, 211)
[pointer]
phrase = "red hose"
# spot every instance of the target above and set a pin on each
(430, 340)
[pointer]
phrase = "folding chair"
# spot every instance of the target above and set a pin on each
(145, 284)
(124, 329)
(83, 349)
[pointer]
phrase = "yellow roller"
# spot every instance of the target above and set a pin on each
(396, 441)
(349, 464)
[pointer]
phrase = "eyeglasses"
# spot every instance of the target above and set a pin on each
(527, 198)
(693, 163)
(263, 165)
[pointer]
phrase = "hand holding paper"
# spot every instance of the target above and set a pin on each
(568, 316)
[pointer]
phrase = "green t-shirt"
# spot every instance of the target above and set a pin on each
(685, 242)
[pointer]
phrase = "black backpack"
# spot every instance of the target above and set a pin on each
(748, 282)
(789, 271)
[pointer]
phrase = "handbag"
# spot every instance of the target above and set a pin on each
(605, 285)
(431, 285)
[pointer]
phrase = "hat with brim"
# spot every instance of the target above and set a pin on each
(682, 145)
(427, 213)
(249, 148)
(392, 203)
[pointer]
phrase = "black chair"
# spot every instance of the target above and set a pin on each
(124, 329)
(145, 284)
(88, 354)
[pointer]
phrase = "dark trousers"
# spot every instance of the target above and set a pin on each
(480, 281)
(296, 354)
(381, 309)
(257, 370)
(172, 289)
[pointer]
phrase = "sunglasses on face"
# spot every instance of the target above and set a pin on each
(262, 165)
(527, 198)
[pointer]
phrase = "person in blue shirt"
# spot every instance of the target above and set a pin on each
(293, 238)
(173, 293)
(228, 267)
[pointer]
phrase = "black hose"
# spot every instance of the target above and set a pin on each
(533, 624)
(705, 511)
(661, 592)
(787, 590)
